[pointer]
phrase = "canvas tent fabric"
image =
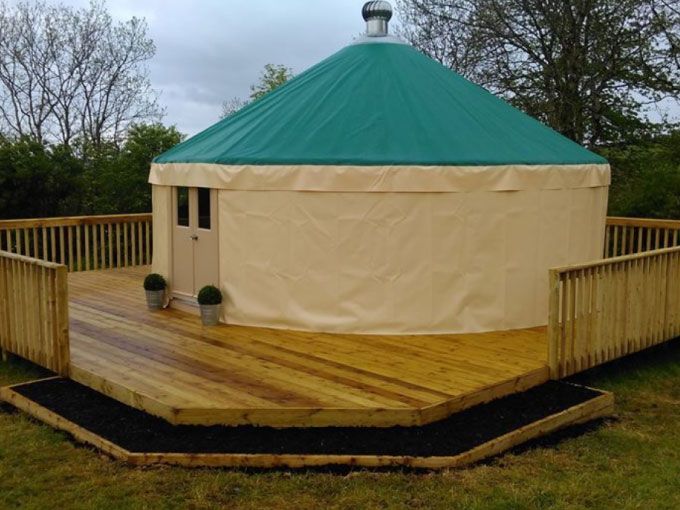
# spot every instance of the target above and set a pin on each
(379, 192)
(401, 263)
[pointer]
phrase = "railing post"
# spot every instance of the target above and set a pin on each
(554, 323)
(62, 349)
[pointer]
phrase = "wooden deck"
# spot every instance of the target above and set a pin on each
(167, 364)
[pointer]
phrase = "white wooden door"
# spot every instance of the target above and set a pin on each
(206, 246)
(195, 243)
(182, 243)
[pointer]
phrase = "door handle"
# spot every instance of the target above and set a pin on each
(194, 237)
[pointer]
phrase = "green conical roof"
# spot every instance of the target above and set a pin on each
(379, 104)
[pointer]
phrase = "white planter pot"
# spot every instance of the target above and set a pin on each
(154, 299)
(210, 314)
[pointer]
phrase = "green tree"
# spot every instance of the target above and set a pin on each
(646, 178)
(272, 77)
(117, 180)
(589, 68)
(38, 181)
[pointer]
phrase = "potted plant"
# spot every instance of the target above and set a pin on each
(154, 285)
(209, 301)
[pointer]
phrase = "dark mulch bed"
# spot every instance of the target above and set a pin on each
(137, 431)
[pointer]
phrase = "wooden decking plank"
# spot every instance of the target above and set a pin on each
(431, 374)
(140, 331)
(154, 380)
(465, 353)
(226, 391)
(365, 386)
(257, 375)
(233, 371)
(438, 376)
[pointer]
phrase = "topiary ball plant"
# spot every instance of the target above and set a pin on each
(209, 295)
(154, 282)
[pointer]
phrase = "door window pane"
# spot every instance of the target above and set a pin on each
(204, 208)
(183, 207)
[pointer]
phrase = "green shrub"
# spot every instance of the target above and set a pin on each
(209, 295)
(154, 281)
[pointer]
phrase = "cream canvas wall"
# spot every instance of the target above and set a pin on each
(161, 199)
(401, 262)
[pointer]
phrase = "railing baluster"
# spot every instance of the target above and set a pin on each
(147, 240)
(27, 242)
(79, 256)
(607, 240)
(125, 245)
(615, 252)
(44, 243)
(62, 247)
(110, 241)
(34, 236)
(140, 243)
(624, 245)
(69, 250)
(133, 236)
(102, 240)
(117, 244)
(87, 247)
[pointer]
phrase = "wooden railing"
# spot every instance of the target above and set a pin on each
(82, 243)
(606, 309)
(626, 236)
(34, 311)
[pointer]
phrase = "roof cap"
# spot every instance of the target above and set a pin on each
(377, 15)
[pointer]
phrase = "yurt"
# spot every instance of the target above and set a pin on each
(378, 193)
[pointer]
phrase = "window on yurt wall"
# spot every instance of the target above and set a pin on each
(183, 207)
(204, 208)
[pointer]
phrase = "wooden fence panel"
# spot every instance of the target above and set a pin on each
(82, 243)
(607, 309)
(34, 311)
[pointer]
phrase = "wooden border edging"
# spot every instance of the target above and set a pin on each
(600, 406)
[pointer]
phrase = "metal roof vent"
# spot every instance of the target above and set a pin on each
(377, 15)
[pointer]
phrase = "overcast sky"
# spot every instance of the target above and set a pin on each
(209, 51)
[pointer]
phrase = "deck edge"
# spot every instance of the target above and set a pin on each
(310, 417)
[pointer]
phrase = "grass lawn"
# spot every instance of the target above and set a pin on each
(632, 461)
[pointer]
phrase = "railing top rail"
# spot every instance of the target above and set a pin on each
(69, 221)
(30, 260)
(614, 260)
(643, 222)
